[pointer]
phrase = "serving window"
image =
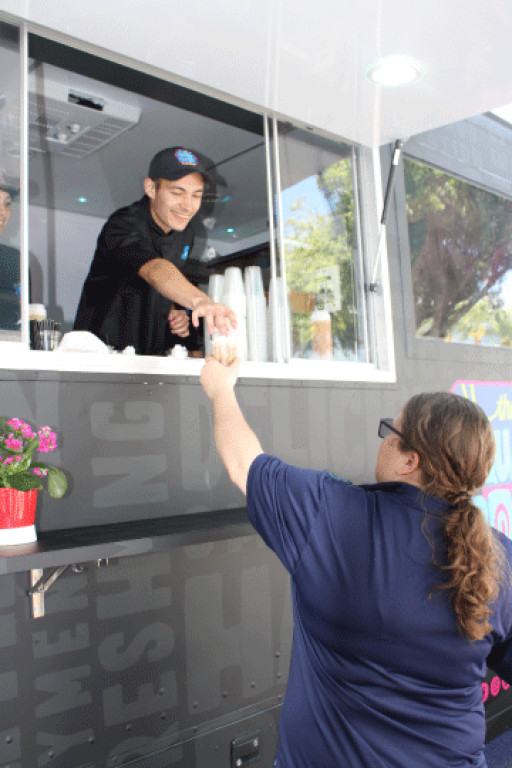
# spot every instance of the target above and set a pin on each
(292, 215)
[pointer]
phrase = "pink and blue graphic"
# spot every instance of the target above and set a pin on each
(185, 157)
(495, 398)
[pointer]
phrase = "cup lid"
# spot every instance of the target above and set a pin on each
(37, 310)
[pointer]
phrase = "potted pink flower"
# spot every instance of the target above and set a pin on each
(21, 476)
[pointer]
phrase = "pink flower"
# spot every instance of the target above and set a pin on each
(46, 444)
(21, 426)
(9, 460)
(40, 472)
(13, 444)
(47, 440)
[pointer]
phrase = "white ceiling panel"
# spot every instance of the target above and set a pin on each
(308, 61)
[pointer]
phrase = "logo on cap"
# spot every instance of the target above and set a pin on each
(185, 157)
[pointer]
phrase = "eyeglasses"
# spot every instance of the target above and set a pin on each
(386, 426)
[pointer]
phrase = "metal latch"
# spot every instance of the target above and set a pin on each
(246, 750)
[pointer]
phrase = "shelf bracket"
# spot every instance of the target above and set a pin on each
(39, 584)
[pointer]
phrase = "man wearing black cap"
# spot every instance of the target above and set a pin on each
(136, 276)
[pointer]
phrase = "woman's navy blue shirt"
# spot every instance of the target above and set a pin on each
(380, 676)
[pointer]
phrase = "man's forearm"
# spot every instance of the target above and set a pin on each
(236, 443)
(167, 279)
(171, 283)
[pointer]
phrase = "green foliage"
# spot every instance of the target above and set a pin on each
(460, 240)
(25, 481)
(317, 241)
(486, 323)
(57, 483)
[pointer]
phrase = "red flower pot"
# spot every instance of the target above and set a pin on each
(17, 516)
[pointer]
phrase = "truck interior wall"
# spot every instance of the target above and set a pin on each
(60, 250)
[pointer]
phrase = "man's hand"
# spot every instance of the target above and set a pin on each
(215, 377)
(179, 322)
(215, 315)
(167, 279)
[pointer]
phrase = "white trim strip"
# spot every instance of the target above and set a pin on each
(85, 362)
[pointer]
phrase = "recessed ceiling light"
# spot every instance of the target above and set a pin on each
(230, 230)
(209, 222)
(395, 70)
(82, 199)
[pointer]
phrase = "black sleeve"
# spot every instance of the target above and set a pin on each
(128, 248)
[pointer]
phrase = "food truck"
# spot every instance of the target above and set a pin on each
(365, 232)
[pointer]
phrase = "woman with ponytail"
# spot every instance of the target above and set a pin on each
(455, 445)
(401, 591)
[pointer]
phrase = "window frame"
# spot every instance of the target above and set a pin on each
(377, 306)
(418, 347)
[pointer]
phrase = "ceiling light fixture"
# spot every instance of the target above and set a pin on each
(392, 71)
(209, 222)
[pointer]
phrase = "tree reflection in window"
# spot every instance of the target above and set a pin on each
(461, 257)
(321, 258)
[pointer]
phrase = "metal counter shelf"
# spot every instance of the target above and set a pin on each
(82, 545)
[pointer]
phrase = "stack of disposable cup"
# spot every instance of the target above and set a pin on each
(277, 326)
(215, 290)
(233, 296)
(256, 314)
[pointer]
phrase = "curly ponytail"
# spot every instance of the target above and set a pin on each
(474, 568)
(455, 443)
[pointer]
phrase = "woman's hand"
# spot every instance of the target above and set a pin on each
(216, 377)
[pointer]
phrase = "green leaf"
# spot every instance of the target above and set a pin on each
(24, 481)
(57, 483)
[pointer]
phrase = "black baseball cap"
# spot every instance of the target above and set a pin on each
(8, 185)
(174, 163)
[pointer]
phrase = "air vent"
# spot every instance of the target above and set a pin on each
(44, 122)
(72, 123)
(95, 138)
(84, 100)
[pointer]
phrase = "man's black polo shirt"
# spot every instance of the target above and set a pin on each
(116, 304)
